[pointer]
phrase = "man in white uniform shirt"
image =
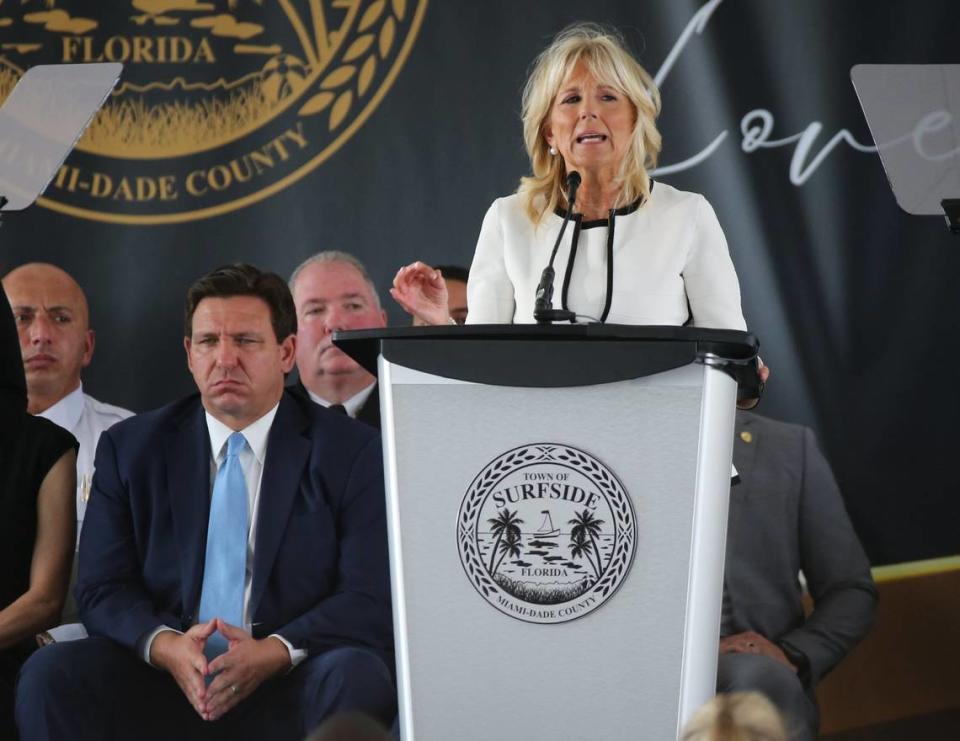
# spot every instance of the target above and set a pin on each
(332, 291)
(53, 323)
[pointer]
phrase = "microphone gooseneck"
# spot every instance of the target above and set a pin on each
(543, 310)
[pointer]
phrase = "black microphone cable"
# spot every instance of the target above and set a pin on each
(543, 310)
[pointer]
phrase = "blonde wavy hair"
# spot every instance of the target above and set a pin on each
(739, 716)
(604, 52)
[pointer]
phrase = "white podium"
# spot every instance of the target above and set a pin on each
(557, 511)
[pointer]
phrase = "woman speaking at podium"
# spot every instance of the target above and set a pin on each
(628, 251)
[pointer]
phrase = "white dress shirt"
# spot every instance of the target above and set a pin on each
(351, 405)
(85, 418)
(252, 459)
(669, 254)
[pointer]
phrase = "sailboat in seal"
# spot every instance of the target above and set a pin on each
(546, 529)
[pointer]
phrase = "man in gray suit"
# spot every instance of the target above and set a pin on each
(787, 516)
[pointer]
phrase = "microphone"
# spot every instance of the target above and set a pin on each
(543, 310)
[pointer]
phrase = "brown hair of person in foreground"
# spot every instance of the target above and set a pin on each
(738, 716)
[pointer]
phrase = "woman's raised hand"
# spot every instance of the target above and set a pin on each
(422, 292)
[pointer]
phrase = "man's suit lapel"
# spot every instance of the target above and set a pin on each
(287, 454)
(188, 485)
(370, 411)
(744, 453)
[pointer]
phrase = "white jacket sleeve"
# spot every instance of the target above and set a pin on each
(490, 297)
(709, 278)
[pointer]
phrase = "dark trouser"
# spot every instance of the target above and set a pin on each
(95, 689)
(754, 673)
(11, 659)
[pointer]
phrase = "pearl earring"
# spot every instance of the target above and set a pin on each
(553, 151)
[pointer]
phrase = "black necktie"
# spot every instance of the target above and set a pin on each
(338, 408)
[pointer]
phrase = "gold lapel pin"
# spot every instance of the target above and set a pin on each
(746, 437)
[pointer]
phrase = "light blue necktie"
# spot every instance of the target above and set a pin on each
(226, 559)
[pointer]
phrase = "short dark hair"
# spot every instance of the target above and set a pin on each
(241, 279)
(453, 272)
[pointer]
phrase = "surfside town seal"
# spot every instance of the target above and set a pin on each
(221, 102)
(546, 533)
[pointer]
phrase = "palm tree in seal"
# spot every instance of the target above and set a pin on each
(505, 524)
(586, 526)
(509, 546)
(580, 547)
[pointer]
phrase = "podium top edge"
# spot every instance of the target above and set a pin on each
(618, 352)
(729, 342)
(615, 352)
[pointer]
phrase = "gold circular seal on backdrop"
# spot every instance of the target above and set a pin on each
(221, 103)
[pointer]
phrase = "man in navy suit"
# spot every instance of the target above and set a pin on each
(201, 627)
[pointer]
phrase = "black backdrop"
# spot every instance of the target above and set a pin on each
(854, 301)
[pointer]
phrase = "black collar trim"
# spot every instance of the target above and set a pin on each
(622, 211)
